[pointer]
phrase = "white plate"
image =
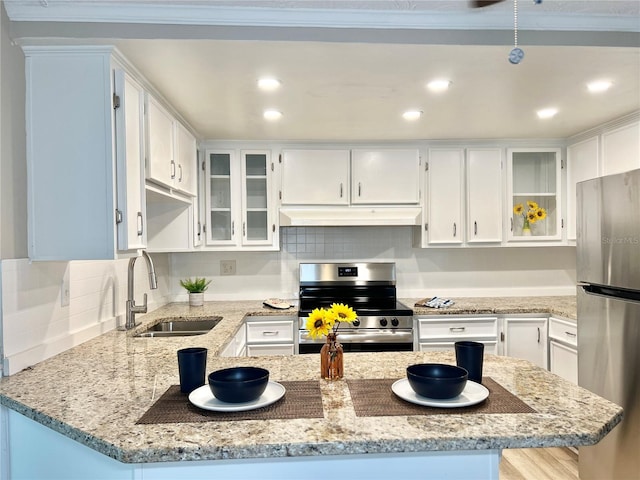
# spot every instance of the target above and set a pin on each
(472, 394)
(203, 398)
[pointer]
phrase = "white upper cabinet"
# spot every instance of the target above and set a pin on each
(337, 177)
(534, 180)
(239, 199)
(258, 226)
(385, 176)
(582, 164)
(172, 153)
(186, 160)
(621, 149)
(72, 158)
(129, 149)
(484, 195)
(315, 177)
(445, 187)
(161, 167)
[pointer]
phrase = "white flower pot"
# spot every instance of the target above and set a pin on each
(196, 299)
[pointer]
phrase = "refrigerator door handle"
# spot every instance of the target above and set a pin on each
(610, 292)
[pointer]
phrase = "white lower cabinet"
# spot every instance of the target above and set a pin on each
(526, 338)
(439, 333)
(237, 346)
(522, 336)
(270, 335)
(563, 348)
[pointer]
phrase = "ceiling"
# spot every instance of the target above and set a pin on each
(354, 82)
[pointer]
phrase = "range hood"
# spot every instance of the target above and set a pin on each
(349, 216)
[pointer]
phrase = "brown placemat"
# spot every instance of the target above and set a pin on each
(374, 398)
(302, 399)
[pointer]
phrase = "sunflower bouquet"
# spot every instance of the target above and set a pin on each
(322, 322)
(534, 214)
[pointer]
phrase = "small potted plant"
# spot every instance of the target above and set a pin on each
(196, 290)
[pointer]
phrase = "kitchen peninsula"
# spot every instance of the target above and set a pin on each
(93, 395)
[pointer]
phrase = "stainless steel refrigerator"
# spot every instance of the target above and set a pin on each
(608, 274)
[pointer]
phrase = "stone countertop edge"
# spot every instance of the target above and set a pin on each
(139, 370)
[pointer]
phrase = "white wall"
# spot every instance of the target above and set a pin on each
(13, 164)
(36, 325)
(420, 272)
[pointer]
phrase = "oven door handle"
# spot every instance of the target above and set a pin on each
(365, 336)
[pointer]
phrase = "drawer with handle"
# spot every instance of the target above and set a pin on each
(563, 331)
(276, 331)
(452, 328)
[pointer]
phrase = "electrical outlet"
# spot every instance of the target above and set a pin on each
(227, 267)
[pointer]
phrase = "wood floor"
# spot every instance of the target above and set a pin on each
(539, 464)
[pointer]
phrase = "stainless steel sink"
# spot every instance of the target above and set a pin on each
(179, 327)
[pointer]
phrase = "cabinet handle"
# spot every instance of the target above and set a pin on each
(457, 329)
(244, 229)
(270, 333)
(140, 224)
(359, 189)
(511, 224)
(180, 176)
(454, 229)
(570, 334)
(233, 228)
(341, 190)
(475, 228)
(538, 334)
(173, 169)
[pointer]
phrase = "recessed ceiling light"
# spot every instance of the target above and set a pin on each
(272, 114)
(599, 86)
(268, 83)
(547, 112)
(438, 85)
(412, 115)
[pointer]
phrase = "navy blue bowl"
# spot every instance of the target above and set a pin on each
(437, 380)
(238, 384)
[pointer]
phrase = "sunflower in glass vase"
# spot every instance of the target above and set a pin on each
(534, 214)
(325, 322)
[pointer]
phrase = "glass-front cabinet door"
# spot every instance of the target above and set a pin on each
(534, 196)
(257, 227)
(220, 204)
(238, 199)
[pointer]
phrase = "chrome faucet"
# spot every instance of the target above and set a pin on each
(132, 308)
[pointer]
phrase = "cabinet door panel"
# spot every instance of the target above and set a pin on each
(128, 120)
(444, 193)
(315, 177)
(534, 176)
(564, 361)
(526, 338)
(187, 161)
(484, 195)
(257, 225)
(621, 149)
(161, 167)
(385, 176)
(582, 164)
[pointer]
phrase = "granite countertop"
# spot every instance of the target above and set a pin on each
(95, 393)
(562, 306)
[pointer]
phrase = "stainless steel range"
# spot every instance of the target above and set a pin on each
(383, 323)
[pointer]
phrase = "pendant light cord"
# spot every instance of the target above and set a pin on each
(515, 23)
